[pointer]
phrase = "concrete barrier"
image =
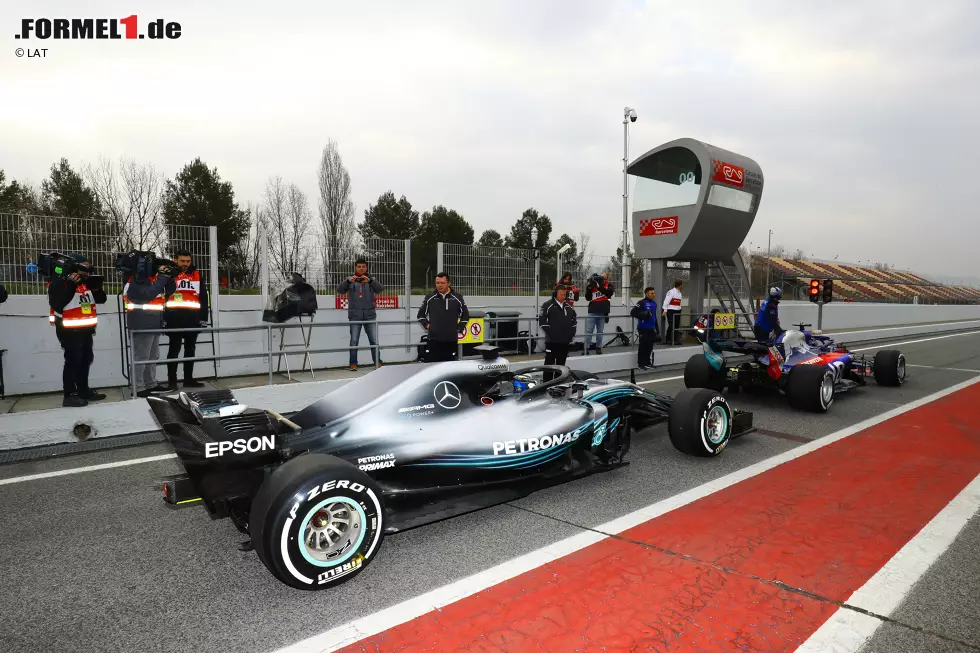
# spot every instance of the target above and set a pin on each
(59, 425)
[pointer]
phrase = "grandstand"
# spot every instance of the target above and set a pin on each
(860, 283)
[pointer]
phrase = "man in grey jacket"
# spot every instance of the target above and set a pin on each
(145, 299)
(361, 289)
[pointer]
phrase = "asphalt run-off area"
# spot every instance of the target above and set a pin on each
(855, 530)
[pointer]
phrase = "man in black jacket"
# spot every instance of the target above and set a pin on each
(443, 315)
(559, 322)
(73, 299)
(186, 308)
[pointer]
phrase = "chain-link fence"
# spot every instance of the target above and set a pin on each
(489, 271)
(386, 261)
(24, 237)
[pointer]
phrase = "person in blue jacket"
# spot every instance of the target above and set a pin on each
(767, 320)
(645, 311)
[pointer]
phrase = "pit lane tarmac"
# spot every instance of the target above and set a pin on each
(94, 562)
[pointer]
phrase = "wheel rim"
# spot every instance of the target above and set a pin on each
(716, 424)
(332, 531)
(827, 390)
(901, 368)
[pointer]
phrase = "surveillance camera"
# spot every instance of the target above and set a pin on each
(632, 115)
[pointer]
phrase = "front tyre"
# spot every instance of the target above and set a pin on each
(317, 522)
(890, 367)
(699, 422)
(811, 387)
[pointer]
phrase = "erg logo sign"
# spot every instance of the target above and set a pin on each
(95, 28)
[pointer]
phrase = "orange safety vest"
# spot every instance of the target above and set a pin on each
(80, 312)
(157, 304)
(188, 293)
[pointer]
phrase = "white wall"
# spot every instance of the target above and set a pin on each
(34, 359)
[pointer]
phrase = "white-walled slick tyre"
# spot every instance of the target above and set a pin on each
(700, 422)
(317, 522)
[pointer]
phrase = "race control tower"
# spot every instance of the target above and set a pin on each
(695, 203)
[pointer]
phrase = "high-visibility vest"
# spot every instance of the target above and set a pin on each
(157, 304)
(80, 312)
(47, 288)
(188, 293)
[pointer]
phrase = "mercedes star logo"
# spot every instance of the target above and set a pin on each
(447, 395)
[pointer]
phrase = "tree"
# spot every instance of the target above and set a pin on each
(490, 238)
(438, 225)
(131, 200)
(336, 209)
(65, 194)
(244, 258)
(390, 219)
(287, 218)
(198, 197)
(520, 233)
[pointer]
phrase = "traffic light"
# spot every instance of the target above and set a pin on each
(828, 291)
(814, 290)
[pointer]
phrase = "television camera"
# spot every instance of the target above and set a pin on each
(145, 264)
(60, 266)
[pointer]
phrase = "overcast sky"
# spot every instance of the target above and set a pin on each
(865, 116)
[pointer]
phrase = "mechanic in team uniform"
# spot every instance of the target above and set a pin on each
(672, 312)
(767, 320)
(645, 313)
(559, 322)
(72, 303)
(443, 314)
(187, 308)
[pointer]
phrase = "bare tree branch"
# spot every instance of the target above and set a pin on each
(131, 199)
(287, 216)
(337, 214)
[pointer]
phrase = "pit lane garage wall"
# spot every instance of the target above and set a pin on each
(57, 426)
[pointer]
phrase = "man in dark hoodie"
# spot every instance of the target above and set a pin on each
(361, 289)
(144, 296)
(443, 314)
(559, 322)
(187, 308)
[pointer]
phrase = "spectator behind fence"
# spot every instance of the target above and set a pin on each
(361, 289)
(3, 294)
(597, 292)
(443, 315)
(672, 311)
(186, 309)
(72, 302)
(559, 322)
(572, 293)
(645, 313)
(145, 298)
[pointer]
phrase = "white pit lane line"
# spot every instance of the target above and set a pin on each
(912, 342)
(910, 571)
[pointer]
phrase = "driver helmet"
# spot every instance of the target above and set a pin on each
(776, 293)
(522, 383)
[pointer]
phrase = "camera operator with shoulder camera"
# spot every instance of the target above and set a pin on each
(149, 282)
(73, 293)
(187, 308)
(598, 291)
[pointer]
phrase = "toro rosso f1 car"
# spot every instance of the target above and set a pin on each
(807, 367)
(407, 445)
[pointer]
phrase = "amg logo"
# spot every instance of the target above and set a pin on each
(342, 570)
(252, 445)
(413, 408)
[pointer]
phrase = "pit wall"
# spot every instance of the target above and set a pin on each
(33, 360)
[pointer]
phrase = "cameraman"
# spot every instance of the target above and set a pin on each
(360, 290)
(145, 298)
(597, 292)
(72, 301)
(443, 314)
(186, 309)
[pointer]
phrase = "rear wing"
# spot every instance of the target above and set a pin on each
(738, 346)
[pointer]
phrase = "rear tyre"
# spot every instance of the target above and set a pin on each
(698, 373)
(699, 422)
(811, 387)
(316, 522)
(890, 367)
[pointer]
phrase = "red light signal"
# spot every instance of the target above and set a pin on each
(814, 290)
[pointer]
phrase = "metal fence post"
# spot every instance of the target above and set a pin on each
(268, 327)
(439, 258)
(408, 294)
(535, 294)
(132, 363)
(263, 236)
(215, 294)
